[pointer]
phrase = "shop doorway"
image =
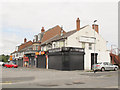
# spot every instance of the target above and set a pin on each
(92, 58)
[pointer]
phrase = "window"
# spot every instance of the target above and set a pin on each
(49, 46)
(105, 63)
(61, 44)
(42, 48)
(90, 46)
(36, 47)
(83, 45)
(54, 44)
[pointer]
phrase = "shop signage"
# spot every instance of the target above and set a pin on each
(77, 49)
(37, 53)
(42, 52)
(10, 58)
(35, 56)
(86, 39)
(55, 50)
(66, 49)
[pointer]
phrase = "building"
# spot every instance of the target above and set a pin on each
(25, 53)
(82, 38)
(56, 38)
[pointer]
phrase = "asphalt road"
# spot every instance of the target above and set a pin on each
(42, 78)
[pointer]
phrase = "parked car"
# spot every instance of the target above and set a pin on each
(9, 65)
(102, 66)
(1, 63)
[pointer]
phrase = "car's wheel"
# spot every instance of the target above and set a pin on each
(6, 66)
(102, 69)
(3, 65)
(115, 69)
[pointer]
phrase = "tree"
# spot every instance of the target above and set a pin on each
(4, 58)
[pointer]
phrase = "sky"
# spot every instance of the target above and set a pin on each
(21, 19)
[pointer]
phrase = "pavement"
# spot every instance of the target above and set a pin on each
(42, 78)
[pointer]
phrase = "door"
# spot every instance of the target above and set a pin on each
(92, 58)
(111, 67)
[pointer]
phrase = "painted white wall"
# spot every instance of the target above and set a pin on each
(100, 46)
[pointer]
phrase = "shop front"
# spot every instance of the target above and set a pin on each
(25, 62)
(66, 58)
(41, 60)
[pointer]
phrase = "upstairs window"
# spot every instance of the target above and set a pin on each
(83, 45)
(36, 47)
(90, 46)
(61, 43)
(54, 45)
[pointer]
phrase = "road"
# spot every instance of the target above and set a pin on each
(42, 78)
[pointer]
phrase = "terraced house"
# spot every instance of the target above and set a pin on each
(80, 42)
(28, 49)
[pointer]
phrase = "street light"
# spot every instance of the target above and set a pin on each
(94, 44)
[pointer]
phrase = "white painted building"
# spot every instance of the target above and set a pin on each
(81, 38)
(84, 39)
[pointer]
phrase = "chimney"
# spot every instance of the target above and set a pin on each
(25, 40)
(61, 32)
(78, 24)
(95, 27)
(42, 30)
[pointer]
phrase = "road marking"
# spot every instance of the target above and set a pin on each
(6, 82)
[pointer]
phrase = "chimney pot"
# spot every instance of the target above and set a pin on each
(25, 40)
(42, 30)
(95, 27)
(78, 24)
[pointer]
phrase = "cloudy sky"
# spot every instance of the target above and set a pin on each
(21, 19)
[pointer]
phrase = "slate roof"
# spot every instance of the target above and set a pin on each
(59, 37)
(51, 33)
(24, 45)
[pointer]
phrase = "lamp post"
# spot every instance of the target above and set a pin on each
(94, 44)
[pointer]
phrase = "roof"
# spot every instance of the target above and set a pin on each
(58, 37)
(13, 52)
(51, 33)
(26, 48)
(24, 45)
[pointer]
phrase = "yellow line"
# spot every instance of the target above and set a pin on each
(6, 82)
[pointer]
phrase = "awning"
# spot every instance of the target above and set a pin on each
(25, 59)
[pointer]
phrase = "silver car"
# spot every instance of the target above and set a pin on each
(104, 66)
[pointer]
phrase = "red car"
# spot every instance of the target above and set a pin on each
(10, 65)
